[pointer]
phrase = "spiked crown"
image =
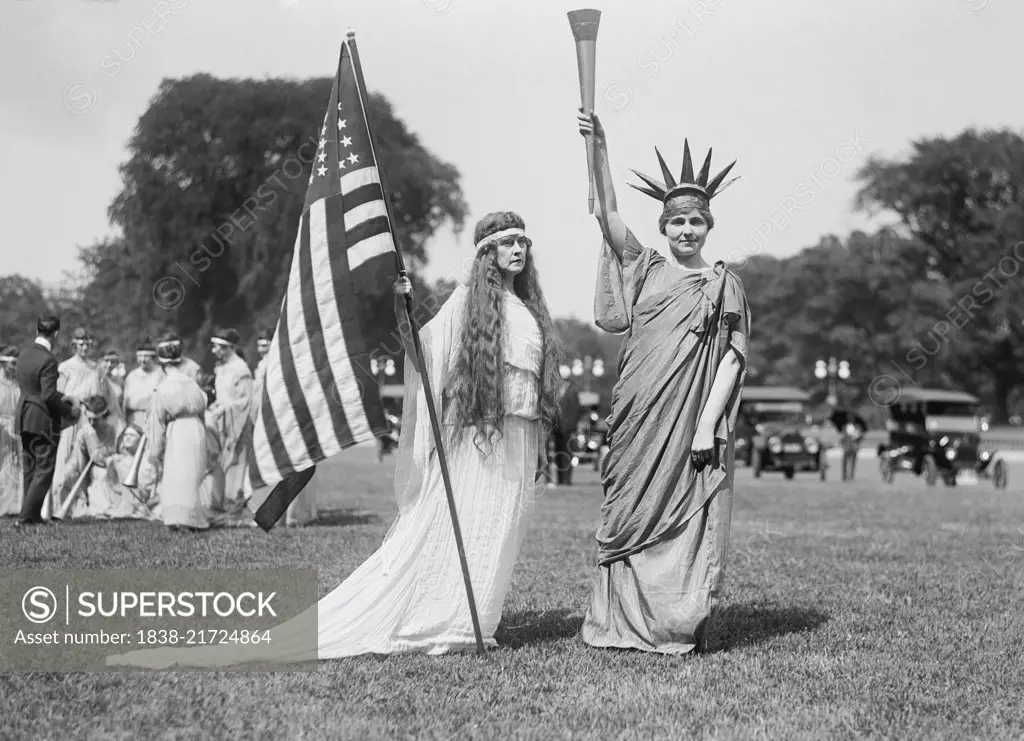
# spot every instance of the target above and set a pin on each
(687, 184)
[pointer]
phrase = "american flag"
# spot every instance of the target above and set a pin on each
(320, 395)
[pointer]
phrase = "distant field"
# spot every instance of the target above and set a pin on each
(851, 611)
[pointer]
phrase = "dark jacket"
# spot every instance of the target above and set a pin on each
(569, 410)
(41, 406)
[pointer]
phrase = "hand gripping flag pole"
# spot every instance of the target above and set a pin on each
(434, 424)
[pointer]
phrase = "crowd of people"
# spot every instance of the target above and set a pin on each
(164, 442)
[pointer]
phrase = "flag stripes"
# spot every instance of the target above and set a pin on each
(319, 395)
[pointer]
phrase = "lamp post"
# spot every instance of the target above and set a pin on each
(588, 367)
(382, 368)
(832, 370)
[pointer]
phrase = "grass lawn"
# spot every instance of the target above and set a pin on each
(850, 611)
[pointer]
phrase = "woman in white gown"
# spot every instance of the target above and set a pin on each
(493, 361)
(177, 441)
(11, 476)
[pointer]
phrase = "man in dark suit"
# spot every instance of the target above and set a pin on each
(42, 412)
(565, 427)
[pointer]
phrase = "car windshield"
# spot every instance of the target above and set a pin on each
(950, 409)
(917, 412)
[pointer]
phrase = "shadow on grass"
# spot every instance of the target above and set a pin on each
(343, 518)
(735, 626)
(530, 627)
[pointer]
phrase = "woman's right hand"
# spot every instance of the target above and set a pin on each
(403, 287)
(590, 125)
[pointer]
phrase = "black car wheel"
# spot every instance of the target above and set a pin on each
(999, 475)
(789, 473)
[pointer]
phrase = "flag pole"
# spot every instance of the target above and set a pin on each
(421, 363)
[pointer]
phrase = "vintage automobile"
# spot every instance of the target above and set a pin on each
(776, 431)
(937, 434)
(587, 444)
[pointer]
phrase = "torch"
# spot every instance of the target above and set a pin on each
(584, 25)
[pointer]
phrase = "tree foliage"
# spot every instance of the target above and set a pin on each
(212, 194)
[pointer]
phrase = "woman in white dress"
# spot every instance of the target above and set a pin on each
(493, 360)
(11, 475)
(130, 502)
(97, 442)
(177, 441)
(80, 377)
(141, 382)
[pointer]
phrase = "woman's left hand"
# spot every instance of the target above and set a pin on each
(702, 451)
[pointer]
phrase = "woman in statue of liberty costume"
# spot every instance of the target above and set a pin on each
(668, 476)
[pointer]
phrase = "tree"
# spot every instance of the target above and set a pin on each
(212, 194)
(22, 301)
(961, 202)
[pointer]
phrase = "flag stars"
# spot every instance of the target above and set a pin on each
(339, 106)
(341, 164)
(323, 142)
(341, 123)
(321, 170)
(321, 156)
(353, 158)
(346, 141)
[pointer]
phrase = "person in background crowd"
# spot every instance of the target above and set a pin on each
(219, 511)
(12, 487)
(229, 415)
(188, 366)
(263, 343)
(141, 382)
(564, 429)
(42, 413)
(259, 376)
(80, 377)
(113, 370)
(177, 441)
(131, 502)
(206, 383)
(850, 442)
(97, 443)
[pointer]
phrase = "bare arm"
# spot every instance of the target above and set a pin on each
(721, 389)
(606, 210)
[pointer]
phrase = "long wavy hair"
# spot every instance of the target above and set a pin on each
(476, 390)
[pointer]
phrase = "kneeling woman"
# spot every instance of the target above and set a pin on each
(492, 359)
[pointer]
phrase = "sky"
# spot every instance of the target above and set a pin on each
(799, 92)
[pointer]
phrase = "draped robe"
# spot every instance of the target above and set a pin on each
(11, 474)
(662, 541)
(139, 387)
(81, 379)
(230, 416)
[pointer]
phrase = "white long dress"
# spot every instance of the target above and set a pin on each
(11, 475)
(229, 415)
(80, 378)
(409, 595)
